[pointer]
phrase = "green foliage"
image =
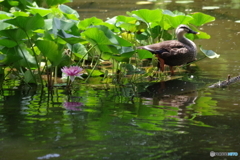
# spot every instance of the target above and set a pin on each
(31, 35)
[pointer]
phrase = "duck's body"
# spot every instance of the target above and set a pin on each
(174, 52)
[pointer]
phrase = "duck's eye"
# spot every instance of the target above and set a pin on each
(187, 30)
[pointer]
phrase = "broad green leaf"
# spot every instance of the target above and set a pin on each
(78, 50)
(8, 43)
(16, 35)
(201, 18)
(97, 36)
(143, 54)
(128, 27)
(95, 73)
(19, 13)
(126, 19)
(5, 15)
(89, 22)
(69, 12)
(69, 38)
(175, 21)
(28, 59)
(50, 50)
(120, 58)
(13, 3)
(12, 55)
(114, 38)
(147, 15)
(4, 25)
(60, 24)
(209, 53)
(39, 10)
(27, 23)
(125, 50)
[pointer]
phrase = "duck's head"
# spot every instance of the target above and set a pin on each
(184, 29)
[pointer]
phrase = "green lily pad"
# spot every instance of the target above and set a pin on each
(209, 53)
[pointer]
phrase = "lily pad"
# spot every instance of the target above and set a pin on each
(209, 53)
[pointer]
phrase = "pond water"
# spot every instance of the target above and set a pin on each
(177, 119)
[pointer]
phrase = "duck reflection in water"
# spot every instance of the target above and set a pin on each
(175, 93)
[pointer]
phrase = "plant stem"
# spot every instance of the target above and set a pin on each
(93, 68)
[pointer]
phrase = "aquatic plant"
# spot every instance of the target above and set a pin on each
(72, 72)
(37, 41)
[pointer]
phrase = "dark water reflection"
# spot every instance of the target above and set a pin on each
(111, 124)
(179, 119)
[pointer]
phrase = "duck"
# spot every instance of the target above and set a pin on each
(174, 52)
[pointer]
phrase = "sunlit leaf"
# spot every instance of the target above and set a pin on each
(89, 22)
(94, 73)
(147, 15)
(209, 53)
(27, 23)
(97, 36)
(18, 13)
(201, 18)
(143, 54)
(113, 37)
(175, 21)
(5, 15)
(39, 10)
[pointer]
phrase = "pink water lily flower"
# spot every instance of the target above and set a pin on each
(72, 72)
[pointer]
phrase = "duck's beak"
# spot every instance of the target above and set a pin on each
(193, 32)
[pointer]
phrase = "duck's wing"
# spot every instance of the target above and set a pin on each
(167, 49)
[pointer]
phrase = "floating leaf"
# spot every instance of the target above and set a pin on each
(210, 7)
(209, 53)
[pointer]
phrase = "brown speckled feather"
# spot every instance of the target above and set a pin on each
(172, 52)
